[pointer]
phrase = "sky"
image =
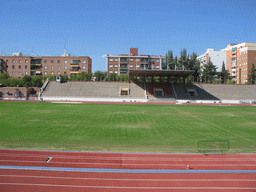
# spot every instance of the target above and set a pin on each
(95, 28)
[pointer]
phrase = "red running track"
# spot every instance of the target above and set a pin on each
(35, 180)
(128, 160)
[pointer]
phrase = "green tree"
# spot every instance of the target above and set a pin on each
(36, 81)
(4, 76)
(170, 60)
(252, 75)
(26, 81)
(224, 75)
(209, 72)
(184, 59)
(100, 75)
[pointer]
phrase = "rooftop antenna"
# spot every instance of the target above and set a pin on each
(65, 47)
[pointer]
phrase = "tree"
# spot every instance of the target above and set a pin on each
(184, 59)
(170, 61)
(209, 72)
(100, 75)
(4, 76)
(252, 75)
(26, 81)
(224, 74)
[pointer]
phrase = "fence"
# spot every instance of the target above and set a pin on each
(214, 145)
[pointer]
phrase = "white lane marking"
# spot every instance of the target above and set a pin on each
(119, 163)
(138, 159)
(118, 187)
(215, 125)
(114, 179)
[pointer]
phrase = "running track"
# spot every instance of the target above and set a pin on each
(25, 170)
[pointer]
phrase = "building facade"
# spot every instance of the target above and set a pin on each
(240, 58)
(18, 65)
(217, 57)
(122, 63)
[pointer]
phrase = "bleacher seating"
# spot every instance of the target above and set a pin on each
(165, 86)
(94, 89)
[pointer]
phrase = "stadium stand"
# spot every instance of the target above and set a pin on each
(111, 90)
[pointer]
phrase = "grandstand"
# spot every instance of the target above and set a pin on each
(149, 92)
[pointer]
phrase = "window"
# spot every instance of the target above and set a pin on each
(65, 61)
(26, 61)
(115, 71)
(45, 61)
(26, 66)
(110, 66)
(45, 73)
(58, 67)
(13, 61)
(83, 67)
(13, 67)
(13, 72)
(131, 59)
(157, 60)
(137, 60)
(83, 61)
(51, 67)
(19, 72)
(65, 72)
(65, 67)
(115, 66)
(115, 59)
(131, 65)
(51, 61)
(19, 66)
(110, 59)
(157, 66)
(110, 71)
(58, 73)
(58, 61)
(45, 67)
(19, 61)
(51, 72)
(26, 72)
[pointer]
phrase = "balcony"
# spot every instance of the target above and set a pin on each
(122, 59)
(35, 67)
(123, 66)
(233, 63)
(233, 70)
(123, 71)
(35, 61)
(233, 74)
(74, 62)
(74, 68)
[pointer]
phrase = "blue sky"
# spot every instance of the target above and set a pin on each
(94, 28)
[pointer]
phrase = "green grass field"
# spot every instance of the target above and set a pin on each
(124, 128)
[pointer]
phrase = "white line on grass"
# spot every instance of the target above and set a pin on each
(214, 125)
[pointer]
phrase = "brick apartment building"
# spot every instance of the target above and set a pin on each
(123, 62)
(240, 58)
(18, 65)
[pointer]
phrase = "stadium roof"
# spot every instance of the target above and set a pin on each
(149, 72)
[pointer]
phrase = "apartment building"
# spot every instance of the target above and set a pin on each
(240, 58)
(123, 62)
(18, 65)
(217, 57)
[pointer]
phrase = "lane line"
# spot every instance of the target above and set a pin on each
(134, 164)
(119, 187)
(125, 170)
(130, 158)
(114, 179)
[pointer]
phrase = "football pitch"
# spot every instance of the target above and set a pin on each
(124, 127)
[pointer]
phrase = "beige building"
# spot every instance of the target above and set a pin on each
(240, 58)
(18, 65)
